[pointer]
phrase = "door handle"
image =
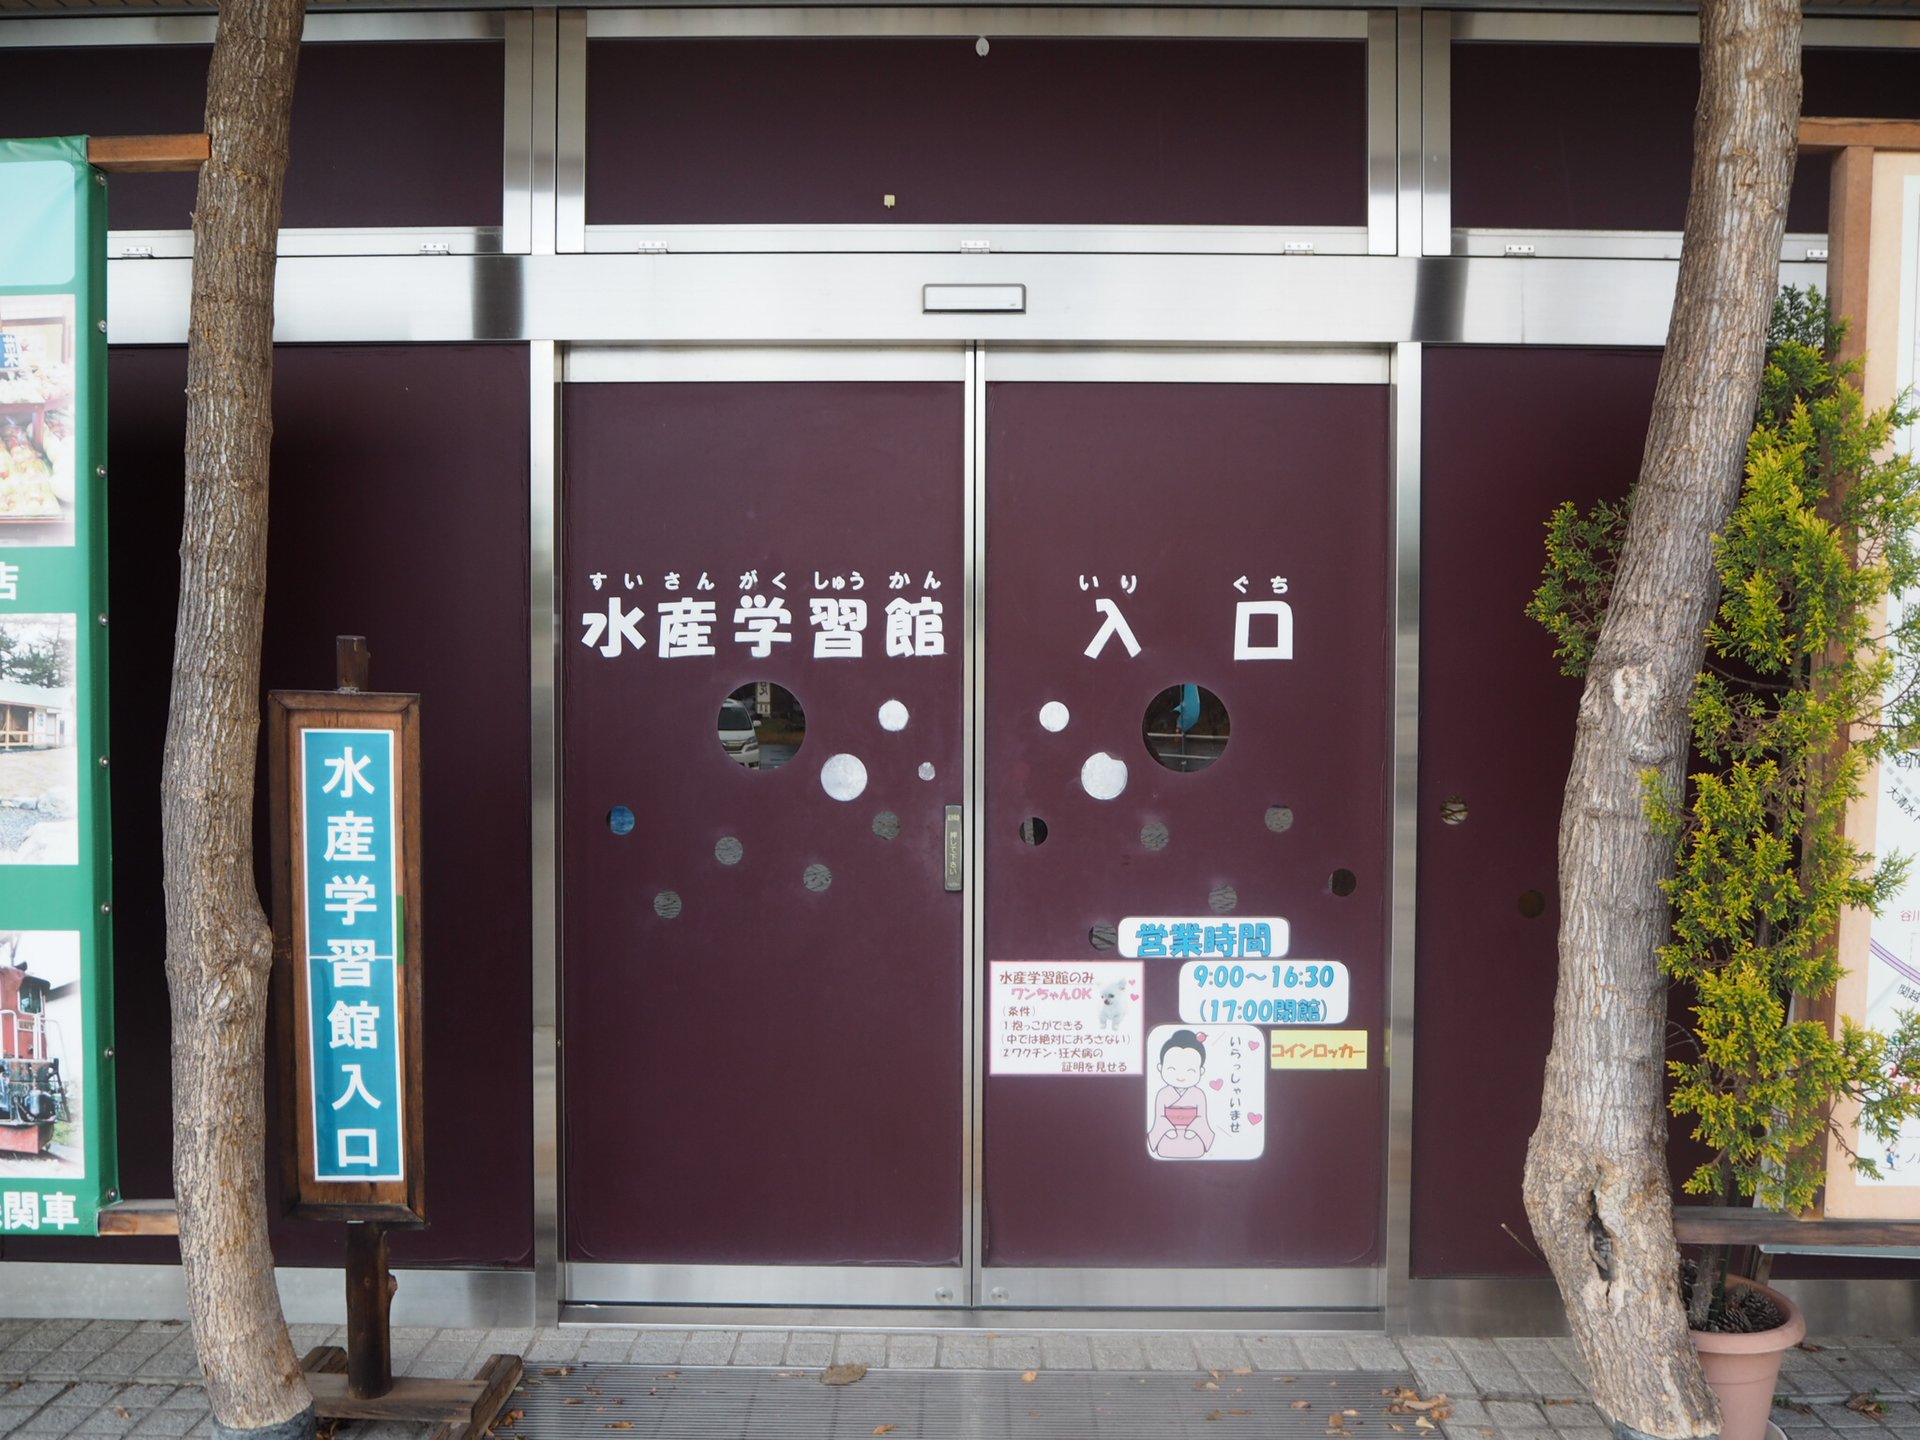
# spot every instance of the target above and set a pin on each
(953, 851)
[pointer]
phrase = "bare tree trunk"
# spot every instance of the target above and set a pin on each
(1597, 1188)
(219, 946)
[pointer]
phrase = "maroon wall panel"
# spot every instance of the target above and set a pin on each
(1496, 731)
(383, 134)
(399, 512)
(1559, 137)
(765, 1068)
(1187, 487)
(1037, 132)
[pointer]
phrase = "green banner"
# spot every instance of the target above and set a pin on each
(57, 1152)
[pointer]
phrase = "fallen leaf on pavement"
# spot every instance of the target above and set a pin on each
(1809, 1347)
(620, 1424)
(1866, 1405)
(1302, 1405)
(573, 1400)
(842, 1374)
(884, 1429)
(1030, 1376)
(123, 1412)
(1243, 1369)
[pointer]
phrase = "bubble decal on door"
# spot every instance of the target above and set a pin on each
(887, 825)
(667, 904)
(1054, 717)
(1223, 900)
(816, 878)
(893, 716)
(844, 777)
(926, 771)
(728, 850)
(1103, 776)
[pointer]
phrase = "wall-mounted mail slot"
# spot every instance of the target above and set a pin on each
(974, 299)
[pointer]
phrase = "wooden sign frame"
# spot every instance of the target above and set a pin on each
(1873, 162)
(290, 713)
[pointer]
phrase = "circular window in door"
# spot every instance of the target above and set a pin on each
(761, 726)
(1186, 728)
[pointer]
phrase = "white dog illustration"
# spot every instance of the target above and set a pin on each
(1113, 1005)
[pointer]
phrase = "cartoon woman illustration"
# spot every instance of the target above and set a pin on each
(1180, 1129)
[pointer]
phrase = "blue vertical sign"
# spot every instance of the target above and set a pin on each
(350, 880)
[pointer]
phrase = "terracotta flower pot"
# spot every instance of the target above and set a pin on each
(1743, 1368)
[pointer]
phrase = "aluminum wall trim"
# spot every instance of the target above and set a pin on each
(1530, 1306)
(1302, 366)
(1170, 1289)
(803, 1285)
(932, 21)
(1409, 46)
(430, 240)
(544, 631)
(1000, 1321)
(998, 239)
(1143, 300)
(321, 28)
(1383, 134)
(1436, 133)
(468, 1299)
(679, 364)
(1606, 244)
(548, 98)
(974, 764)
(570, 133)
(1408, 397)
(1543, 28)
(519, 142)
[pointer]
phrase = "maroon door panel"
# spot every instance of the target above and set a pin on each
(763, 984)
(1038, 132)
(1172, 498)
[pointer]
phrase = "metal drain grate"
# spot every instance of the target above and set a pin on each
(630, 1402)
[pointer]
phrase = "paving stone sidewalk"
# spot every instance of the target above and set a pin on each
(105, 1379)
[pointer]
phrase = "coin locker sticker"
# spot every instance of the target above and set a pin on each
(1206, 1092)
(1258, 992)
(1054, 1017)
(1321, 1050)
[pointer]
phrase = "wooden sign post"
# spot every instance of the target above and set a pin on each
(344, 772)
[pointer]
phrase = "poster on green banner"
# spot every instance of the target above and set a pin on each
(56, 1004)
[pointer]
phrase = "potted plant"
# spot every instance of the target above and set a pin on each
(1806, 681)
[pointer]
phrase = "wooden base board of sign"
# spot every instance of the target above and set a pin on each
(358, 1383)
(463, 1408)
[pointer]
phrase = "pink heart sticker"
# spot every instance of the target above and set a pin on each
(1253, 1045)
(1216, 1084)
(1134, 998)
(1254, 1117)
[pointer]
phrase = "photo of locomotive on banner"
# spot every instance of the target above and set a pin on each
(40, 1135)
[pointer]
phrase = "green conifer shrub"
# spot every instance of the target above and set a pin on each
(1801, 658)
